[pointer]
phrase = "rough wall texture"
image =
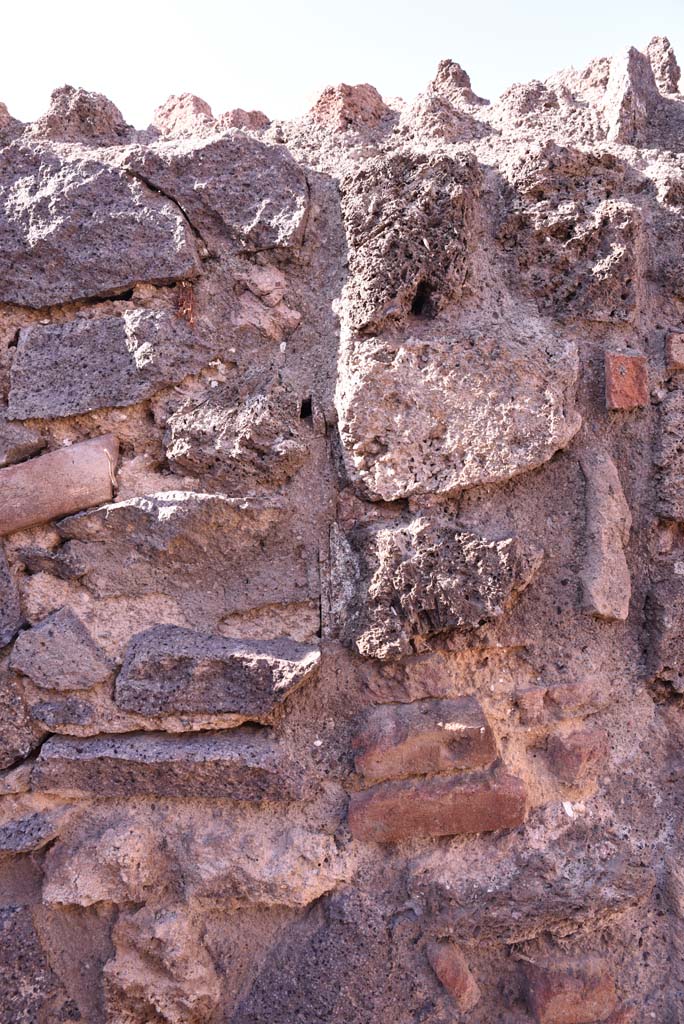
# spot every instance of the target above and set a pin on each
(342, 591)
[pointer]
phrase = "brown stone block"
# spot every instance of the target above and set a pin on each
(450, 966)
(578, 754)
(626, 381)
(57, 484)
(570, 990)
(674, 351)
(422, 738)
(414, 809)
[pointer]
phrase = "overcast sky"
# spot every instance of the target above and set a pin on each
(276, 56)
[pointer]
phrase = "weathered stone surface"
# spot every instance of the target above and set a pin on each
(183, 115)
(23, 835)
(60, 654)
(182, 986)
(412, 809)
(247, 120)
(669, 457)
(17, 441)
(579, 754)
(64, 369)
(342, 107)
(663, 61)
(75, 115)
(435, 414)
(565, 990)
(626, 380)
(423, 737)
(233, 188)
(10, 608)
(243, 441)
(55, 714)
(631, 96)
(451, 967)
(168, 669)
(665, 618)
(19, 734)
(212, 554)
(408, 584)
(408, 223)
(241, 765)
(63, 481)
(606, 579)
(72, 226)
(674, 350)
(26, 980)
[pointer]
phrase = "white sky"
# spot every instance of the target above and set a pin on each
(277, 55)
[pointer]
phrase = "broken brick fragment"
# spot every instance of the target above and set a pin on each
(451, 967)
(570, 990)
(626, 381)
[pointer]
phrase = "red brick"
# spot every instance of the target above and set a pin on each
(422, 738)
(626, 381)
(418, 808)
(570, 990)
(577, 755)
(57, 484)
(674, 351)
(450, 966)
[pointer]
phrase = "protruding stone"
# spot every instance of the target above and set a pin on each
(568, 990)
(664, 63)
(408, 221)
(249, 120)
(183, 115)
(669, 457)
(424, 737)
(170, 670)
(24, 835)
(241, 765)
(436, 414)
(212, 554)
(20, 733)
(413, 809)
(631, 97)
(233, 188)
(10, 607)
(451, 967)
(26, 980)
(577, 755)
(59, 483)
(60, 654)
(88, 229)
(241, 440)
(341, 107)
(161, 967)
(65, 369)
(401, 587)
(75, 115)
(606, 579)
(626, 380)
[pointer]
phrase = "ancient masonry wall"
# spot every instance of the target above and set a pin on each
(342, 565)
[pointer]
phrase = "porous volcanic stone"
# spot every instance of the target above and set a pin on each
(241, 765)
(64, 369)
(10, 608)
(167, 669)
(23, 835)
(60, 654)
(569, 990)
(73, 226)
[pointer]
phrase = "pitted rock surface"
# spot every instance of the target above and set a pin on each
(342, 565)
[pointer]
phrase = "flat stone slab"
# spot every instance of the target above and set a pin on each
(426, 736)
(65, 369)
(23, 835)
(72, 226)
(58, 483)
(60, 654)
(419, 808)
(242, 764)
(168, 669)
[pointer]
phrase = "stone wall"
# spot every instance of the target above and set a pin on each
(342, 591)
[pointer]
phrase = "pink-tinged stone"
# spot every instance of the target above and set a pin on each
(59, 483)
(424, 737)
(570, 990)
(450, 966)
(626, 381)
(414, 809)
